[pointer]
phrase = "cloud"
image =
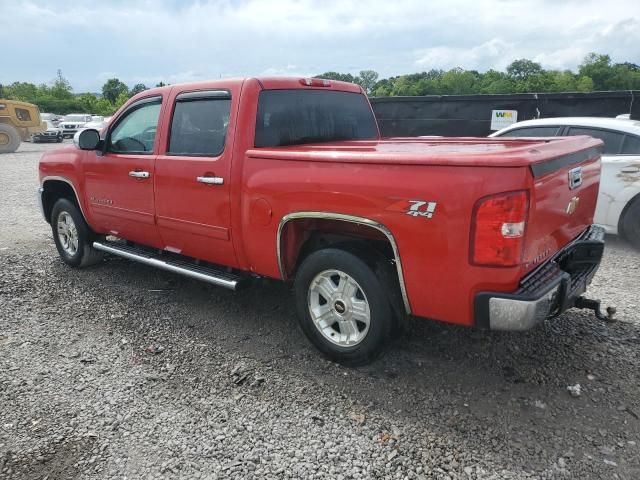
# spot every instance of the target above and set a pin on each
(495, 53)
(144, 41)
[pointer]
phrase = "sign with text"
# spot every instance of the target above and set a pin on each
(503, 118)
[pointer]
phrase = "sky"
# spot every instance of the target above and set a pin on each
(144, 41)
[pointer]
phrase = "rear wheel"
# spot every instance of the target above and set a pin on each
(630, 223)
(343, 307)
(9, 138)
(72, 235)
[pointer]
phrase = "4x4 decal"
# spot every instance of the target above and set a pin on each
(415, 208)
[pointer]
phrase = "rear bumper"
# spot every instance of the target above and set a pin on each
(546, 292)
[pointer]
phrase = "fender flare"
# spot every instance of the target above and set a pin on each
(68, 182)
(350, 219)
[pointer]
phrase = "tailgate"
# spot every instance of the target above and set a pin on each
(563, 200)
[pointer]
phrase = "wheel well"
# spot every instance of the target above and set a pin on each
(372, 243)
(630, 203)
(53, 191)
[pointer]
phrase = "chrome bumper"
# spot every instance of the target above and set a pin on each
(548, 291)
(518, 315)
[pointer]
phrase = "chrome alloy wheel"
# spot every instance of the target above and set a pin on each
(339, 308)
(67, 233)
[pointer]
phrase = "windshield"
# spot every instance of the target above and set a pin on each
(295, 117)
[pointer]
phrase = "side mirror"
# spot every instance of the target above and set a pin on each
(87, 139)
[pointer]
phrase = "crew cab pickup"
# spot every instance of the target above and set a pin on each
(287, 178)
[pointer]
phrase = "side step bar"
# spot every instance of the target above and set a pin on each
(209, 274)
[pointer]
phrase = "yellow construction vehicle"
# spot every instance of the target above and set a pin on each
(18, 121)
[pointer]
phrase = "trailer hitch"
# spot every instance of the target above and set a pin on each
(589, 304)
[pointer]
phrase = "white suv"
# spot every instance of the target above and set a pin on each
(73, 122)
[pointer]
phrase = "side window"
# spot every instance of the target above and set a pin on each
(136, 131)
(199, 124)
(532, 132)
(631, 145)
(23, 115)
(612, 140)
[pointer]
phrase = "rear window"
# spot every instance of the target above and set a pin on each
(295, 117)
(532, 132)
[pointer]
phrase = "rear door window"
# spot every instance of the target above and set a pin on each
(299, 116)
(199, 124)
(612, 140)
(532, 132)
(631, 145)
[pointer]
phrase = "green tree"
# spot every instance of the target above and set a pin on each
(598, 68)
(367, 80)
(24, 91)
(494, 82)
(584, 84)
(121, 100)
(137, 88)
(61, 87)
(342, 77)
(523, 69)
(458, 82)
(113, 88)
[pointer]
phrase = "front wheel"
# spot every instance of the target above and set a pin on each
(72, 235)
(630, 223)
(9, 138)
(343, 307)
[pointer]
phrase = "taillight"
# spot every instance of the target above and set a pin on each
(498, 229)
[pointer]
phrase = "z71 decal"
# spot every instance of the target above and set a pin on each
(415, 208)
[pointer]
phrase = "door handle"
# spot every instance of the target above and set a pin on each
(211, 180)
(136, 174)
(630, 169)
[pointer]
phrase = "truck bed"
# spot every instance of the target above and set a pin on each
(462, 151)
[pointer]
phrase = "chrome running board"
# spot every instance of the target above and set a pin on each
(206, 273)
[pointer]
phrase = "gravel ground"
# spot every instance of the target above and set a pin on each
(121, 371)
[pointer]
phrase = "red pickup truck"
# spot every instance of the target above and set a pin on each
(288, 178)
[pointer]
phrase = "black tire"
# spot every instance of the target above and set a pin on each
(34, 140)
(59, 139)
(630, 223)
(84, 254)
(380, 320)
(10, 138)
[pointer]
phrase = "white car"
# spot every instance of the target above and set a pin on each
(73, 122)
(618, 208)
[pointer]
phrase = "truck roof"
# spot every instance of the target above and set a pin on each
(268, 83)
